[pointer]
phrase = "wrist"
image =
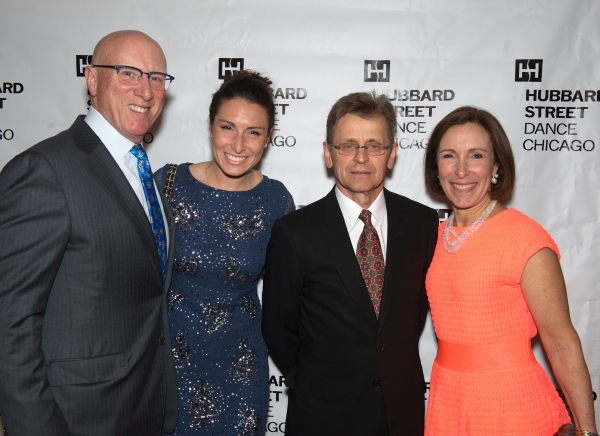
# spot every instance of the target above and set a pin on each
(578, 432)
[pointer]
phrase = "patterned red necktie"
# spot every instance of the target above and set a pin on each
(370, 260)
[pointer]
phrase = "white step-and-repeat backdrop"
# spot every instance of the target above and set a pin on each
(534, 64)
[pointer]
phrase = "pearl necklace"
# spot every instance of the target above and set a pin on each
(452, 247)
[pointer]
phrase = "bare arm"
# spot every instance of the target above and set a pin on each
(546, 295)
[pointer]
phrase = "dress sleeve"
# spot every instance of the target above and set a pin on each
(290, 206)
(534, 238)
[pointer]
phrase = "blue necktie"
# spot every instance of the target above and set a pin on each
(156, 217)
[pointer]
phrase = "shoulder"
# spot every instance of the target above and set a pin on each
(310, 213)
(64, 145)
(278, 194)
(276, 186)
(399, 204)
(524, 232)
(50, 152)
(522, 223)
(160, 175)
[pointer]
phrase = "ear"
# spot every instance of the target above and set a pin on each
(392, 159)
(327, 154)
(91, 79)
(495, 169)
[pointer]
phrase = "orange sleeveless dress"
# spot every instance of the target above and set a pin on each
(485, 380)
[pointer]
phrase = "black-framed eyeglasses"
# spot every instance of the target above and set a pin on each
(350, 149)
(131, 76)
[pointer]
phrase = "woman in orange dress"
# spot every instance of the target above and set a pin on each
(494, 283)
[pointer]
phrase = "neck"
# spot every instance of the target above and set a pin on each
(214, 177)
(466, 217)
(363, 199)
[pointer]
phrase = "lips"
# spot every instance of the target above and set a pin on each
(233, 158)
(360, 172)
(138, 109)
(463, 188)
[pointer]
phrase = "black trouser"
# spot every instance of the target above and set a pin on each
(383, 425)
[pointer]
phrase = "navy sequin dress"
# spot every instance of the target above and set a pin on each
(214, 311)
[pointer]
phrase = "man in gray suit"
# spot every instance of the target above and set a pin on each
(84, 341)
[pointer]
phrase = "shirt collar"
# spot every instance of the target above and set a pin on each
(117, 144)
(351, 210)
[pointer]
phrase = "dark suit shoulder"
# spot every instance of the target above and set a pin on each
(63, 142)
(408, 206)
(308, 214)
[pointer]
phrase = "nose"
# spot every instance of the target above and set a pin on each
(462, 168)
(143, 88)
(238, 144)
(361, 155)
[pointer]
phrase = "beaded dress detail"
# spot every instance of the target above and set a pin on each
(477, 305)
(214, 312)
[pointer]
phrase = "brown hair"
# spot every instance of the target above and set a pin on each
(247, 85)
(503, 155)
(364, 105)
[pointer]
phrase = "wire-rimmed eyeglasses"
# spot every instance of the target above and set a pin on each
(350, 149)
(131, 76)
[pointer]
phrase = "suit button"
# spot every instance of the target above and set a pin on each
(162, 340)
(376, 383)
(379, 347)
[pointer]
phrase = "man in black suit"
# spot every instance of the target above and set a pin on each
(344, 298)
(84, 341)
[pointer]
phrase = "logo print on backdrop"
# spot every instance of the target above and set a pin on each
(377, 71)
(230, 66)
(443, 214)
(81, 62)
(528, 70)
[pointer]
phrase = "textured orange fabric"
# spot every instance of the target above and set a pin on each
(476, 301)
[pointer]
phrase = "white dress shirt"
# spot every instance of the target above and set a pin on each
(119, 146)
(352, 210)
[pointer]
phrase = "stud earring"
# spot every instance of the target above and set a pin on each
(495, 179)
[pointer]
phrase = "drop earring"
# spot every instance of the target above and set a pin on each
(495, 179)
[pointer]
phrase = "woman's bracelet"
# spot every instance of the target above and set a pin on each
(584, 433)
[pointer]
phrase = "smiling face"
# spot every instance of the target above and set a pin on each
(360, 177)
(239, 137)
(466, 164)
(130, 109)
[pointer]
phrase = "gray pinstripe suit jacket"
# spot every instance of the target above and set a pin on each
(84, 341)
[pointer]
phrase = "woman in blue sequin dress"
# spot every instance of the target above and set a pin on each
(224, 210)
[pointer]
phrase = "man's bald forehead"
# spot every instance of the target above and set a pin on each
(111, 43)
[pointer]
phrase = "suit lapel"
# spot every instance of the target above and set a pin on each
(395, 258)
(103, 168)
(337, 240)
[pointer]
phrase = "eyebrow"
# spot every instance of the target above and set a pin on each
(470, 149)
(342, 141)
(233, 124)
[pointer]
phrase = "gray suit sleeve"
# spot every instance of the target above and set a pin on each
(34, 232)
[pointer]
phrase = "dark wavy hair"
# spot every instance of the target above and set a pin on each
(503, 155)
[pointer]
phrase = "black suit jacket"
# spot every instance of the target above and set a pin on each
(84, 341)
(341, 362)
